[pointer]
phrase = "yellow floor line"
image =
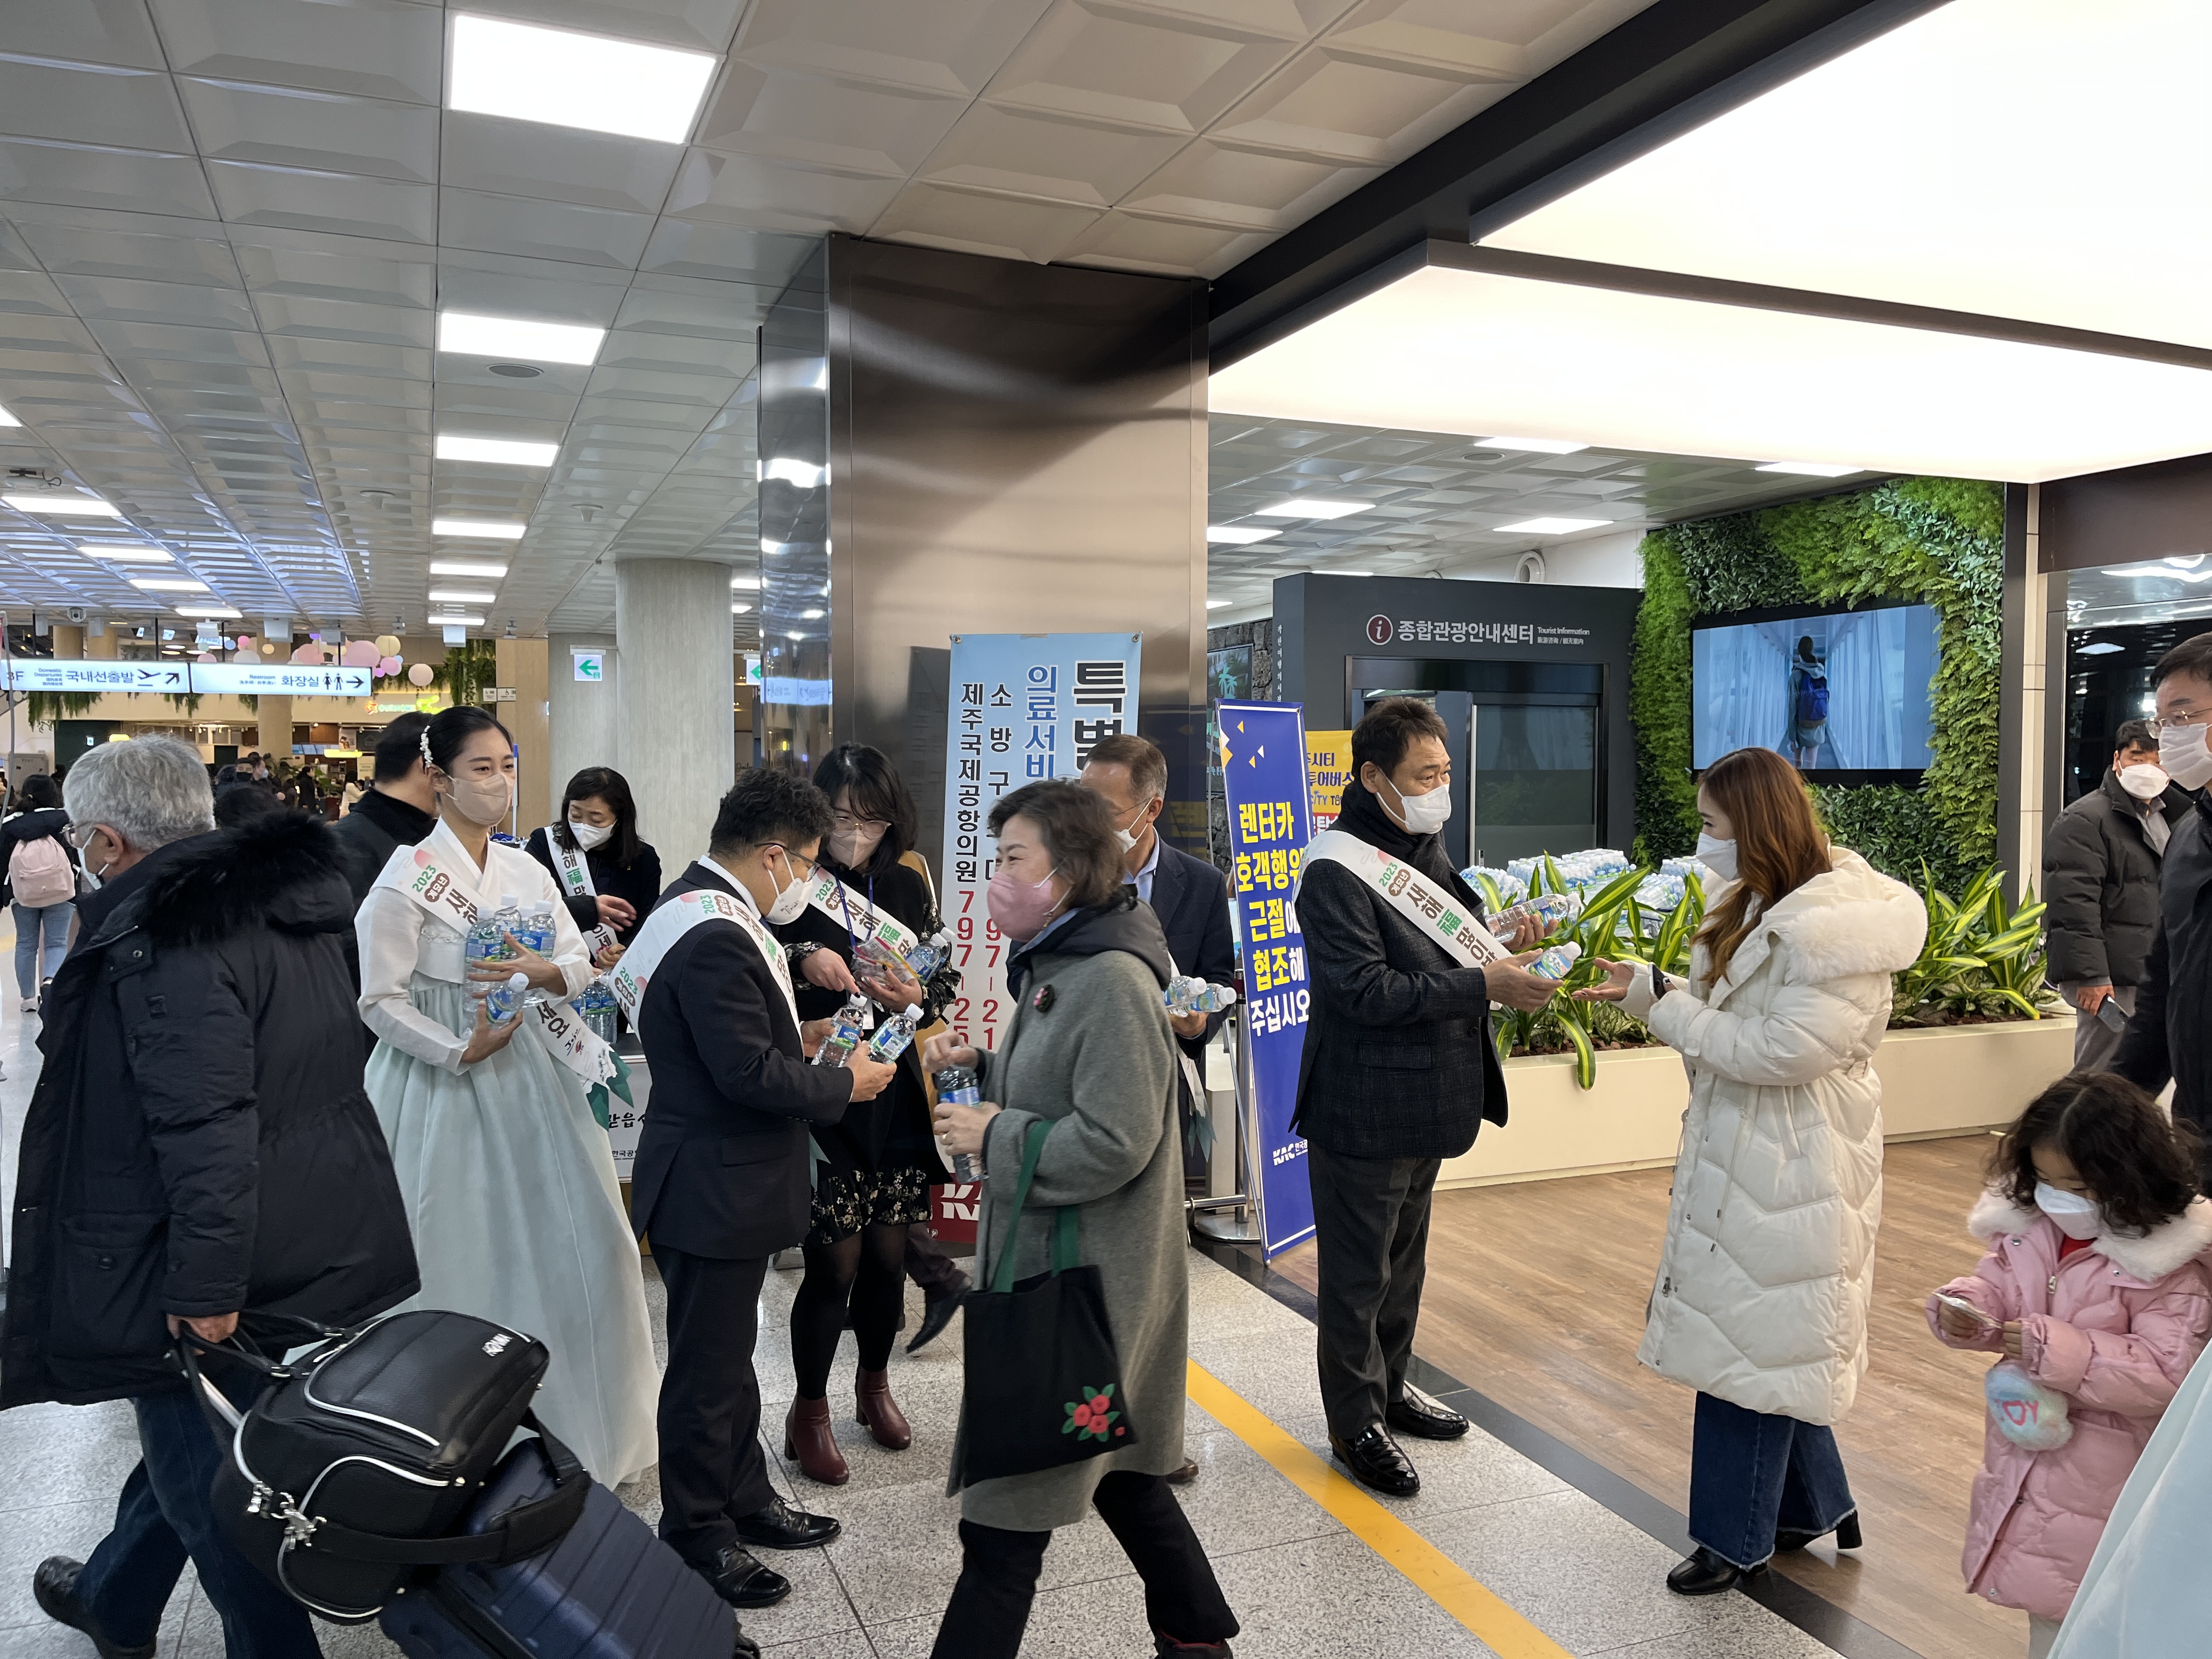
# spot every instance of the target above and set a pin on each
(1427, 1568)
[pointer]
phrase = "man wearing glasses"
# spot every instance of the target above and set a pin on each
(2169, 1036)
(720, 1182)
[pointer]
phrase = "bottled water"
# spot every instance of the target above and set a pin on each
(599, 1010)
(1550, 909)
(1558, 961)
(892, 1036)
(486, 942)
(929, 955)
(847, 1027)
(920, 963)
(961, 1087)
(509, 915)
(536, 929)
(506, 1000)
(1189, 994)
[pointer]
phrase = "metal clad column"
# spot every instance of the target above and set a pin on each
(672, 703)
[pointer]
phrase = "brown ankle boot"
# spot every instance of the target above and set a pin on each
(885, 1422)
(807, 1438)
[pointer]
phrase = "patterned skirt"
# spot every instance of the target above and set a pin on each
(846, 1201)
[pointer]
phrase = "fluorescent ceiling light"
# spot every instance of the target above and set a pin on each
(466, 568)
(1810, 469)
(499, 452)
(594, 82)
(168, 584)
(221, 610)
(454, 596)
(6, 419)
(1238, 535)
(746, 584)
(446, 619)
(1216, 605)
(2101, 648)
(739, 610)
(812, 615)
(1549, 527)
(1447, 350)
(794, 634)
(488, 529)
(1306, 507)
(1344, 573)
(2185, 560)
(1952, 132)
(63, 506)
(1534, 446)
(471, 334)
(804, 474)
(125, 554)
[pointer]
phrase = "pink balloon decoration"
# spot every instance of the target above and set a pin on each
(388, 666)
(309, 652)
(360, 654)
(244, 642)
(204, 656)
(421, 674)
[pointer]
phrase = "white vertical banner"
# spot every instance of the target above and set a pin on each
(1022, 707)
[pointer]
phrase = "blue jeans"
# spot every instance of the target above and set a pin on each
(54, 922)
(1751, 1474)
(164, 1516)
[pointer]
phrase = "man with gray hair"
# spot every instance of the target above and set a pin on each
(198, 1153)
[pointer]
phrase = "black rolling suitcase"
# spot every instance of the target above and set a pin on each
(609, 1589)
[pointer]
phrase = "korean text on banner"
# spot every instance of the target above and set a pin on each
(1265, 789)
(1023, 707)
(1328, 769)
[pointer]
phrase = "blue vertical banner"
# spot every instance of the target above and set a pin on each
(1022, 708)
(1265, 789)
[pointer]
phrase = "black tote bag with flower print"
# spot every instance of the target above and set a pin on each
(1043, 1384)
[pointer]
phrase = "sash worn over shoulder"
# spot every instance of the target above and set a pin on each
(835, 900)
(1441, 916)
(575, 872)
(669, 922)
(563, 1030)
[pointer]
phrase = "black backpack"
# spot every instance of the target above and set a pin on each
(360, 1458)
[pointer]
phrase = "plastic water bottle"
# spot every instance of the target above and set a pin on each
(961, 1087)
(1558, 961)
(929, 955)
(536, 929)
(847, 1027)
(1189, 994)
(1550, 909)
(598, 1009)
(892, 1036)
(486, 942)
(506, 1000)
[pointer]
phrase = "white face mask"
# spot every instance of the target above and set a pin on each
(1127, 839)
(790, 901)
(2144, 782)
(1423, 815)
(2071, 1213)
(2182, 752)
(588, 836)
(1717, 856)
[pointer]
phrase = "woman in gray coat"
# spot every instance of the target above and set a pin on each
(1091, 1052)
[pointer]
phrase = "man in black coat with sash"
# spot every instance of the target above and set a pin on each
(720, 1181)
(1398, 1073)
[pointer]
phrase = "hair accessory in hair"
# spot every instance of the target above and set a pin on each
(422, 742)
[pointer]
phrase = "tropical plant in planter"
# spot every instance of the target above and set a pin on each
(1982, 961)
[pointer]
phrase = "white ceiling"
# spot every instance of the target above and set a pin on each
(226, 227)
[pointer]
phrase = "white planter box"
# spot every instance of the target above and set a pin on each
(1955, 1080)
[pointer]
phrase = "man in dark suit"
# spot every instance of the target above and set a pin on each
(721, 1183)
(1398, 1073)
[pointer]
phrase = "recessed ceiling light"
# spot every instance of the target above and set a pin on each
(595, 81)
(445, 619)
(794, 634)
(223, 611)
(2101, 648)
(1216, 605)
(168, 584)
(488, 529)
(1344, 573)
(1550, 526)
(1534, 446)
(125, 554)
(61, 507)
(466, 568)
(749, 584)
(472, 334)
(1810, 469)
(6, 419)
(455, 596)
(739, 610)
(812, 615)
(518, 371)
(1306, 507)
(1238, 535)
(500, 451)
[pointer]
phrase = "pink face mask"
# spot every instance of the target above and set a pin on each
(1020, 909)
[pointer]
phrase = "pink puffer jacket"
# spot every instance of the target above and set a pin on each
(2115, 1328)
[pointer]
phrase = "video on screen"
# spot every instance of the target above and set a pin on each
(1843, 692)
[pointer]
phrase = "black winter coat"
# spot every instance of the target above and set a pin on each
(2169, 1036)
(639, 883)
(2101, 880)
(1398, 1060)
(199, 1142)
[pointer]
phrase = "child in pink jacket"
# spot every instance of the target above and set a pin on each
(2094, 1288)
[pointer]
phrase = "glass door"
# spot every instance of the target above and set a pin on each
(1534, 779)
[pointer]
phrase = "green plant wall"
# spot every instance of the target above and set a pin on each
(1937, 540)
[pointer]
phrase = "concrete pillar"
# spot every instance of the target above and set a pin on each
(521, 670)
(673, 732)
(273, 715)
(583, 711)
(99, 646)
(69, 643)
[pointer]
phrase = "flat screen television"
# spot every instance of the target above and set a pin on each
(1843, 694)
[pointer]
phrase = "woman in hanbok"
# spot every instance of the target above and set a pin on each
(508, 1179)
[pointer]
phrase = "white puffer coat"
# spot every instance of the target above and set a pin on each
(1762, 1287)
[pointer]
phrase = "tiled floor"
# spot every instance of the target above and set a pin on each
(1302, 1583)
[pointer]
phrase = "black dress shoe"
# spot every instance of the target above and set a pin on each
(1788, 1542)
(1184, 1475)
(781, 1527)
(935, 1316)
(741, 1581)
(1706, 1574)
(1426, 1418)
(1375, 1461)
(54, 1585)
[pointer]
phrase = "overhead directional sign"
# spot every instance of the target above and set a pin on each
(181, 678)
(26, 674)
(281, 679)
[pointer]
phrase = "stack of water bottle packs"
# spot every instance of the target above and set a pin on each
(487, 943)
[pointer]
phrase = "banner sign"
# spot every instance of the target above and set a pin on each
(34, 674)
(1328, 769)
(1023, 707)
(281, 679)
(1265, 789)
(177, 678)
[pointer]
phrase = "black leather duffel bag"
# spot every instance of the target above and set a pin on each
(360, 1457)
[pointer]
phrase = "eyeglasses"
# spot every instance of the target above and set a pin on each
(797, 859)
(2181, 719)
(846, 821)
